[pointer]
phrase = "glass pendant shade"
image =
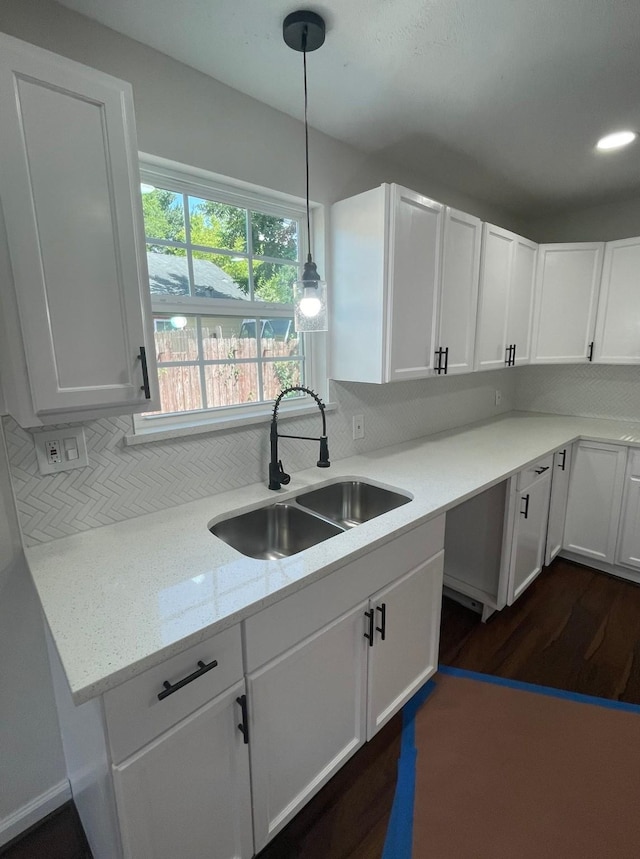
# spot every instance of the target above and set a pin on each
(310, 300)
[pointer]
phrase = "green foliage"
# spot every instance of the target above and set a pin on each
(220, 226)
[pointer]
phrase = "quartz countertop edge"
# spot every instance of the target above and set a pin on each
(125, 597)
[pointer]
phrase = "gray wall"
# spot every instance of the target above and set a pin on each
(31, 760)
(602, 223)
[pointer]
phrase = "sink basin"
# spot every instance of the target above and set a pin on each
(351, 502)
(276, 531)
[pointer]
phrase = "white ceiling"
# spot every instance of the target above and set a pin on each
(502, 99)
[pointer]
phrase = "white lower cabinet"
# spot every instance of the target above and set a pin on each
(595, 499)
(495, 542)
(318, 687)
(187, 793)
(529, 530)
(558, 503)
(406, 631)
(307, 718)
(181, 761)
(629, 539)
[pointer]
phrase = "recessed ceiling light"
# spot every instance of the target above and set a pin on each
(616, 140)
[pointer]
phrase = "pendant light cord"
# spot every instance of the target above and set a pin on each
(306, 137)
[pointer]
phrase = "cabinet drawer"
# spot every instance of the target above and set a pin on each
(133, 712)
(528, 475)
(281, 626)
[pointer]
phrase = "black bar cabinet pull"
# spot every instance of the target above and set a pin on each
(513, 356)
(382, 608)
(525, 512)
(562, 465)
(369, 635)
(507, 356)
(438, 367)
(142, 357)
(446, 360)
(202, 669)
(541, 470)
(590, 351)
(243, 726)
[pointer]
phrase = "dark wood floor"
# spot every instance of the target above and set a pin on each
(573, 629)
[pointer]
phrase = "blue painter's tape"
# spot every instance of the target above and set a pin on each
(399, 840)
(541, 690)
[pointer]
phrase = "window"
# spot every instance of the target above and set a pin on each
(222, 264)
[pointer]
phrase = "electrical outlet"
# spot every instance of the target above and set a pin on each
(498, 398)
(358, 426)
(60, 449)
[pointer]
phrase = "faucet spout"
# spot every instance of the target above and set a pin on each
(277, 475)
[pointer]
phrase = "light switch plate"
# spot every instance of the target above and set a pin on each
(60, 449)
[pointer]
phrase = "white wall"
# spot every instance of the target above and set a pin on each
(31, 760)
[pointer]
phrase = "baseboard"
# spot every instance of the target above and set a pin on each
(33, 811)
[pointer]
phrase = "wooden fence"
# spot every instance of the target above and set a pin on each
(228, 383)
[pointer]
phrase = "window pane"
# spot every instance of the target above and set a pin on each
(179, 389)
(274, 237)
(228, 338)
(163, 215)
(168, 271)
(216, 225)
(277, 375)
(176, 338)
(220, 276)
(274, 281)
(279, 338)
(231, 384)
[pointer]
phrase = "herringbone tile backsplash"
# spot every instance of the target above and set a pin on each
(592, 390)
(123, 482)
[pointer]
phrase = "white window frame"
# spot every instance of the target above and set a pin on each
(199, 183)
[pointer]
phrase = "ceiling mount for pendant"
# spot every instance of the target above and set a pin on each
(303, 31)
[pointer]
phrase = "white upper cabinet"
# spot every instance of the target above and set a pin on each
(458, 294)
(567, 285)
(69, 189)
(505, 301)
(386, 253)
(617, 337)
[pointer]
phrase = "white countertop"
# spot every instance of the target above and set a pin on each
(123, 598)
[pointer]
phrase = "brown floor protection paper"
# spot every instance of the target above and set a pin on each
(504, 773)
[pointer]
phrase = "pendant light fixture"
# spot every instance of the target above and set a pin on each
(304, 31)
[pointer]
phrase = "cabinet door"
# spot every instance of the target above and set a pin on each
(567, 286)
(617, 338)
(307, 717)
(187, 794)
(414, 272)
(71, 200)
(404, 653)
(629, 541)
(529, 535)
(458, 300)
(520, 310)
(495, 275)
(558, 502)
(595, 498)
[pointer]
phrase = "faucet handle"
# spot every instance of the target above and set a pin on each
(323, 462)
(283, 477)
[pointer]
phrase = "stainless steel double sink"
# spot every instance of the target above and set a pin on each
(285, 528)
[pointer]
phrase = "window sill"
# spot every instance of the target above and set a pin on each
(212, 425)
